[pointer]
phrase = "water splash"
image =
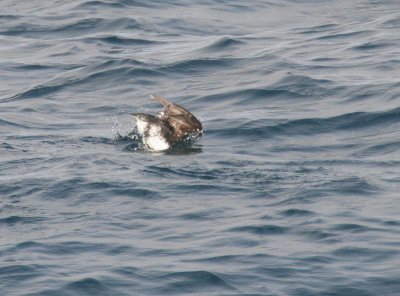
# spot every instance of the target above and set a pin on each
(124, 130)
(122, 125)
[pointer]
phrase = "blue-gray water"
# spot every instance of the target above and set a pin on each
(293, 190)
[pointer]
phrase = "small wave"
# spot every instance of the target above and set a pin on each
(372, 45)
(97, 75)
(106, 109)
(89, 286)
(347, 35)
(20, 272)
(223, 43)
(198, 216)
(386, 148)
(262, 128)
(296, 213)
(352, 228)
(313, 259)
(261, 230)
(276, 272)
(290, 87)
(6, 123)
(319, 236)
(367, 254)
(183, 172)
(34, 92)
(28, 244)
(72, 29)
(392, 23)
(22, 188)
(343, 289)
(6, 146)
(98, 140)
(190, 281)
(8, 17)
(353, 252)
(121, 41)
(197, 65)
(120, 4)
(80, 190)
(305, 85)
(254, 96)
(318, 29)
(392, 223)
(182, 26)
(349, 186)
(37, 67)
(12, 220)
(100, 4)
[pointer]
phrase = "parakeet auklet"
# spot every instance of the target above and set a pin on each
(168, 127)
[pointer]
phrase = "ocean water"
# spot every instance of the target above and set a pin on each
(293, 189)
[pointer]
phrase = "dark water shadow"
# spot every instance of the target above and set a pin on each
(133, 143)
(185, 149)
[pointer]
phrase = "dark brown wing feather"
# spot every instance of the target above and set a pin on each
(183, 121)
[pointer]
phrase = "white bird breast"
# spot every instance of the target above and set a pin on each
(154, 140)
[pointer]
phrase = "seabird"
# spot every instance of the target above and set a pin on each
(165, 129)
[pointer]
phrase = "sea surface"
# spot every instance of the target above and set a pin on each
(294, 189)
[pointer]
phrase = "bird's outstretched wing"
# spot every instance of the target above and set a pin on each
(178, 117)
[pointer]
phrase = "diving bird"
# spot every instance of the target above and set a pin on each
(165, 129)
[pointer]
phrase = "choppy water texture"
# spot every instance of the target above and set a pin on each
(293, 190)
